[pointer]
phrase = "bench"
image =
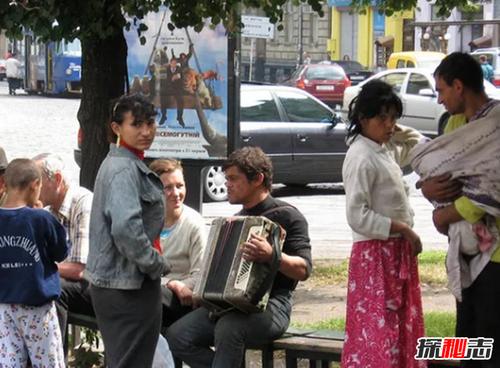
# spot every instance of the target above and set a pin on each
(320, 347)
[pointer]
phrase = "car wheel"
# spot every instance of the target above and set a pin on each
(214, 184)
(442, 123)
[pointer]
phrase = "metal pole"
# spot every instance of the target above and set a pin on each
(301, 46)
(252, 47)
(155, 43)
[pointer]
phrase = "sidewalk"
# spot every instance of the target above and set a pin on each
(331, 236)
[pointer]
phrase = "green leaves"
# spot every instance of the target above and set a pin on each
(102, 19)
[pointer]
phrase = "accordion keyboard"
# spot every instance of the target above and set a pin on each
(243, 274)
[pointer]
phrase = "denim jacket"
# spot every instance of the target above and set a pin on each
(127, 215)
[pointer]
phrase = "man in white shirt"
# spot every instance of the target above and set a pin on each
(13, 73)
(71, 205)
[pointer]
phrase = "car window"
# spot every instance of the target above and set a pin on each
(322, 73)
(258, 106)
(417, 82)
(394, 79)
(410, 64)
(301, 108)
(350, 66)
(489, 57)
(400, 64)
(429, 64)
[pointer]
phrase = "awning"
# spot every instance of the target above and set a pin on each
(484, 41)
(385, 41)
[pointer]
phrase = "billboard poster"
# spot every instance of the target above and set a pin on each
(184, 74)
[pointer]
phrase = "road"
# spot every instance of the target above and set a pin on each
(34, 124)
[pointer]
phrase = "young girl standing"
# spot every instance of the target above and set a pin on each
(384, 311)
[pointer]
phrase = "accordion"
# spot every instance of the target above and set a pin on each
(226, 279)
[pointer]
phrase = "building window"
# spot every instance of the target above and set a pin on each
(289, 25)
(313, 24)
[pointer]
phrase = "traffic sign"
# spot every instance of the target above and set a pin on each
(257, 27)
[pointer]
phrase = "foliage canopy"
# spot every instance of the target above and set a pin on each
(69, 19)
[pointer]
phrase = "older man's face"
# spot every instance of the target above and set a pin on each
(48, 193)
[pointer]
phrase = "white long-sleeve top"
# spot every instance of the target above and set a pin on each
(376, 192)
(13, 68)
(184, 247)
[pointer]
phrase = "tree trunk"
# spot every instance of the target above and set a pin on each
(104, 72)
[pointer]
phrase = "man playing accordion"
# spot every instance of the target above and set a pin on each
(249, 179)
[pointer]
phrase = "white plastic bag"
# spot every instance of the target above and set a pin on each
(163, 356)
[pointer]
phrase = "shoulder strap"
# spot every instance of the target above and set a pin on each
(271, 210)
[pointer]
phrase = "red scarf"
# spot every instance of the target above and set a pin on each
(156, 245)
(135, 151)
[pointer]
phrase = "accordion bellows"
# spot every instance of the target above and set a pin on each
(226, 279)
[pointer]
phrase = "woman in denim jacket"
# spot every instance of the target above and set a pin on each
(124, 264)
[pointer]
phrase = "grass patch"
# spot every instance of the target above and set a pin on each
(431, 269)
(325, 273)
(440, 324)
(437, 324)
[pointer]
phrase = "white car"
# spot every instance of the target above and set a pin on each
(417, 90)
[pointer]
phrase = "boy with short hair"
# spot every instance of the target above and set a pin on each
(31, 241)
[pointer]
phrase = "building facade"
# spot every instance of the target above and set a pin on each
(368, 37)
(461, 37)
(273, 60)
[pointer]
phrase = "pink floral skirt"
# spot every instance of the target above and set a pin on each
(384, 306)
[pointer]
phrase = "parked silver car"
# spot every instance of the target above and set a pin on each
(301, 135)
(417, 90)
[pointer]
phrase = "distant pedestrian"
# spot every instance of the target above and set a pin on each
(32, 241)
(306, 59)
(384, 316)
(487, 68)
(13, 73)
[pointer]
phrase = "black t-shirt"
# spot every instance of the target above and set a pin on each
(297, 242)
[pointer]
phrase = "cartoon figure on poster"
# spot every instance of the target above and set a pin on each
(184, 74)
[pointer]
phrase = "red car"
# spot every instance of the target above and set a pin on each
(326, 82)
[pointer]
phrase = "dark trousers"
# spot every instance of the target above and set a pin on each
(190, 337)
(478, 315)
(179, 100)
(14, 83)
(129, 321)
(75, 297)
(172, 307)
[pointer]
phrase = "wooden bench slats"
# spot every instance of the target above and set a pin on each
(323, 345)
(327, 334)
(309, 344)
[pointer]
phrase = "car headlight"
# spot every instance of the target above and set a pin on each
(69, 71)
